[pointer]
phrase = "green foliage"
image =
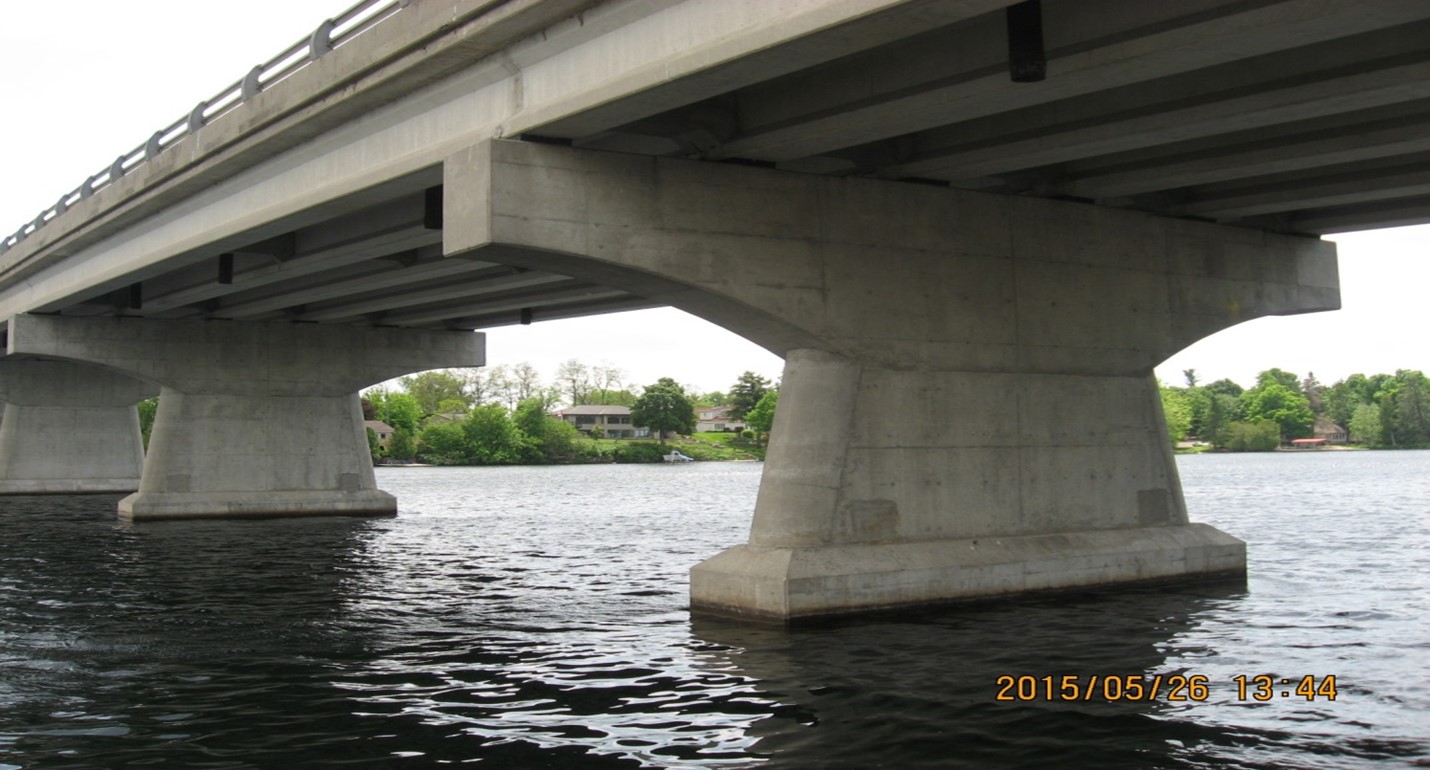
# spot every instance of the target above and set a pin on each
(400, 410)
(148, 408)
(639, 452)
(546, 438)
(436, 392)
(664, 407)
(713, 398)
(1176, 411)
(1226, 387)
(492, 438)
(444, 443)
(1254, 436)
(762, 416)
(745, 393)
(1222, 411)
(1273, 400)
(400, 446)
(1281, 377)
(373, 447)
(1364, 425)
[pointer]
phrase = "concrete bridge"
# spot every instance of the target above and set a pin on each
(971, 228)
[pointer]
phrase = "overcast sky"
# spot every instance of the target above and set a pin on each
(84, 80)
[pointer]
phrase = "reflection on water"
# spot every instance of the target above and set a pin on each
(536, 617)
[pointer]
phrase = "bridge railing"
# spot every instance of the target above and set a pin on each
(331, 34)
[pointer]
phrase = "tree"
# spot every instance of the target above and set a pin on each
(148, 408)
(1314, 392)
(444, 443)
(492, 438)
(435, 389)
(713, 398)
(745, 393)
(400, 410)
(606, 386)
(1176, 412)
(374, 447)
(762, 417)
(664, 407)
(1191, 377)
(1253, 436)
(1274, 401)
(547, 438)
(400, 445)
(1412, 408)
(1226, 387)
(575, 381)
(525, 383)
(1364, 424)
(1279, 377)
(1222, 411)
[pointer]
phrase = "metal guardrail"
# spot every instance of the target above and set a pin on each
(329, 35)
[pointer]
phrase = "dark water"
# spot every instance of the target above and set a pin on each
(536, 617)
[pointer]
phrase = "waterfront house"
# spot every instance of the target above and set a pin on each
(382, 429)
(610, 421)
(1331, 432)
(715, 419)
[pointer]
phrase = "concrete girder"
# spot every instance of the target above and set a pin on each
(343, 241)
(568, 291)
(1352, 138)
(816, 113)
(254, 419)
(732, 46)
(1346, 219)
(404, 269)
(69, 428)
(947, 154)
(969, 405)
(1382, 180)
(492, 280)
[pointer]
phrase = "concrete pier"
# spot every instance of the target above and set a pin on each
(255, 419)
(968, 406)
(69, 428)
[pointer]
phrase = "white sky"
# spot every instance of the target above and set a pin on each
(84, 80)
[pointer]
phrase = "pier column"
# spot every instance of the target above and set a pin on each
(69, 428)
(255, 419)
(968, 406)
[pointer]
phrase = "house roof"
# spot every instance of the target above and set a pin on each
(595, 409)
(378, 426)
(1323, 424)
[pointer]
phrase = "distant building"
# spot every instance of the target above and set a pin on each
(611, 421)
(715, 419)
(1331, 432)
(382, 429)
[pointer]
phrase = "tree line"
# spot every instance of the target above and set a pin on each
(503, 416)
(1380, 410)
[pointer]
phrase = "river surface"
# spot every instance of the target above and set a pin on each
(537, 618)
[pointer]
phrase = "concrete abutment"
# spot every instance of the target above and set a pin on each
(968, 405)
(255, 419)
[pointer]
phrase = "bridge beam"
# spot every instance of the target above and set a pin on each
(968, 406)
(69, 428)
(255, 419)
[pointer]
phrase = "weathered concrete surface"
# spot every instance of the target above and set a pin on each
(968, 405)
(254, 419)
(69, 428)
